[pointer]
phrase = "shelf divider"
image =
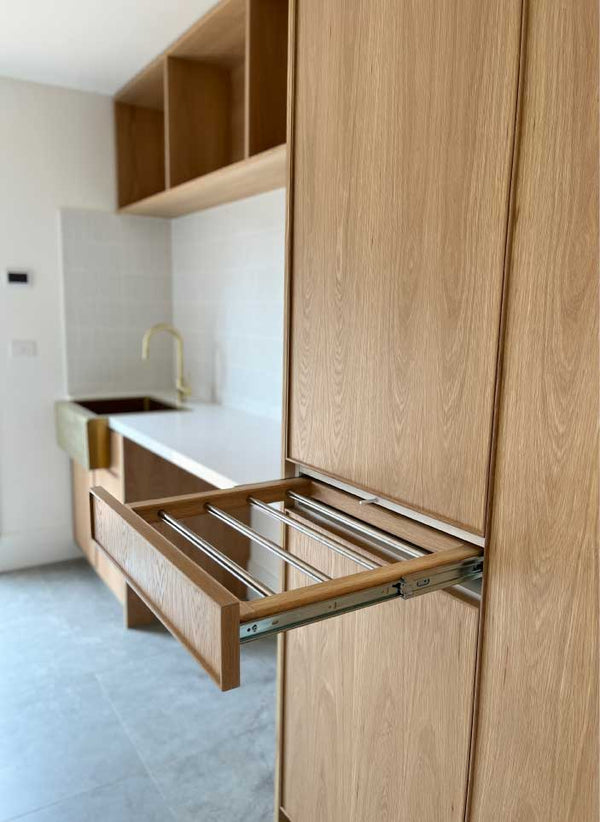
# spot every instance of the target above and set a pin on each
(266, 74)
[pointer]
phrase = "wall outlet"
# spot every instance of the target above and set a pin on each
(23, 348)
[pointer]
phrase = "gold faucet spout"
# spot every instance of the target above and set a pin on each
(183, 389)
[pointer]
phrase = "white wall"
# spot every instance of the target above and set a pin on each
(228, 282)
(56, 150)
(228, 288)
(117, 283)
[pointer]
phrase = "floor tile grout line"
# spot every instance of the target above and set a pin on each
(147, 766)
(66, 798)
(135, 748)
(99, 673)
(91, 676)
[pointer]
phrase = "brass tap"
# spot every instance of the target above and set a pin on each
(183, 388)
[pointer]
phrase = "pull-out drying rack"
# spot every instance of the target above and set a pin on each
(158, 548)
(407, 585)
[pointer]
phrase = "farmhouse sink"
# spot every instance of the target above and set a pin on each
(82, 428)
(125, 405)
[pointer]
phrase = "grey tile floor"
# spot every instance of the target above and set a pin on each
(100, 723)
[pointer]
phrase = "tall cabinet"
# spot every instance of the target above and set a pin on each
(401, 149)
(443, 355)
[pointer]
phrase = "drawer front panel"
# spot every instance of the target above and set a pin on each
(198, 611)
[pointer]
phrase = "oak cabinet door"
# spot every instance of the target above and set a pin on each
(401, 146)
(376, 709)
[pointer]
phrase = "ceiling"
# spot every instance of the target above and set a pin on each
(93, 45)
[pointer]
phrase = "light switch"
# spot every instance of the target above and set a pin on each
(23, 348)
(18, 277)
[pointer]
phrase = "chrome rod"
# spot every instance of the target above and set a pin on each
(221, 559)
(357, 525)
(470, 589)
(244, 529)
(330, 543)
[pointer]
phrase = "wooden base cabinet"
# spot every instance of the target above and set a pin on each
(376, 709)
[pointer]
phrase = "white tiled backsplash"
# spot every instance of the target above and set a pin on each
(217, 275)
(228, 282)
(117, 283)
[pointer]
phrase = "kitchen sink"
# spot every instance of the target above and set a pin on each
(82, 428)
(126, 405)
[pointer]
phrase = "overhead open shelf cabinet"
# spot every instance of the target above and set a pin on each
(205, 123)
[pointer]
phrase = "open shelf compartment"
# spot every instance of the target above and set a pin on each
(140, 136)
(205, 96)
(197, 581)
(215, 100)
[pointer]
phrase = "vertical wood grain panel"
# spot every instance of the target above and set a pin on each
(199, 118)
(148, 476)
(266, 69)
(140, 149)
(81, 482)
(238, 112)
(536, 746)
(404, 116)
(377, 707)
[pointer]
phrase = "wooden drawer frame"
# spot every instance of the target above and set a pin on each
(205, 616)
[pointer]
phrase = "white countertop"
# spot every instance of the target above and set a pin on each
(221, 445)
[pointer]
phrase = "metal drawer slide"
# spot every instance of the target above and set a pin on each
(407, 587)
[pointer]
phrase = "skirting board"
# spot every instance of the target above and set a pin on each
(40, 546)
